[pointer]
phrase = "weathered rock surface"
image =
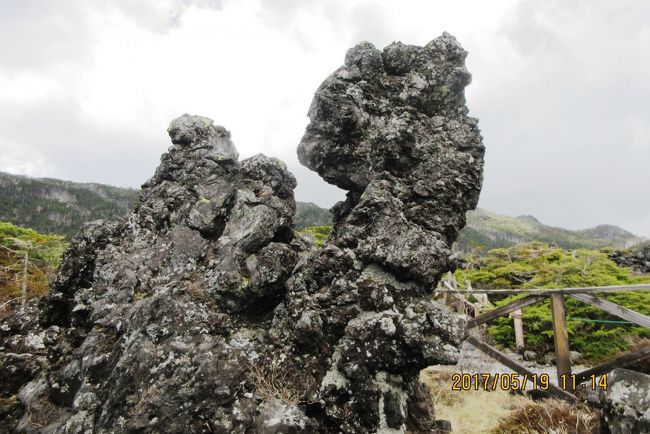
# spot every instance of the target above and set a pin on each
(637, 259)
(391, 127)
(626, 402)
(200, 312)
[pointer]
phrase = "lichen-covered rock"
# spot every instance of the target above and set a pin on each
(143, 304)
(200, 312)
(391, 127)
(626, 402)
(637, 259)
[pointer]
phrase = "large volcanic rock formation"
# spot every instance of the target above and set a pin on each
(391, 127)
(201, 313)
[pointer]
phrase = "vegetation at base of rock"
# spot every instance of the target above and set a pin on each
(636, 258)
(273, 379)
(594, 333)
(316, 233)
(499, 411)
(469, 411)
(43, 255)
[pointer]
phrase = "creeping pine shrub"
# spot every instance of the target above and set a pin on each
(318, 233)
(592, 332)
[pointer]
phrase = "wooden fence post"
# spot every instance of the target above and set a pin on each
(519, 330)
(561, 339)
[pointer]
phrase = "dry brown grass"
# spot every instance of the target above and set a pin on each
(499, 411)
(551, 416)
(43, 413)
(274, 379)
(442, 395)
(473, 411)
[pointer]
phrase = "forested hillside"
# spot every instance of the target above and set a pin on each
(60, 207)
(310, 214)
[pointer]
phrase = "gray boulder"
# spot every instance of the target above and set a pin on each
(626, 402)
(575, 357)
(530, 356)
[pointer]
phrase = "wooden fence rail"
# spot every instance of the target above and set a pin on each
(541, 291)
(560, 332)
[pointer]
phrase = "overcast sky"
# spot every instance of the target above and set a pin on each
(562, 89)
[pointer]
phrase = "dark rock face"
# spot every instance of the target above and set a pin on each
(391, 127)
(200, 312)
(638, 259)
(146, 342)
(626, 402)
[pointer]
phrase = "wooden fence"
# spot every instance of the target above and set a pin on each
(448, 288)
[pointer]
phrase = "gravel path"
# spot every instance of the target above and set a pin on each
(473, 361)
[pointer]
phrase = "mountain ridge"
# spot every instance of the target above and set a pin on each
(491, 230)
(58, 206)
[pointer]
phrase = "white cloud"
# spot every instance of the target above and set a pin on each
(15, 159)
(560, 88)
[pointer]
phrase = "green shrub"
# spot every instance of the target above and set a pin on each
(537, 265)
(318, 233)
(43, 254)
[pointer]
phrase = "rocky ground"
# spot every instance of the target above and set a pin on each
(624, 402)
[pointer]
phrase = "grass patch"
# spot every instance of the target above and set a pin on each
(502, 412)
(318, 234)
(474, 411)
(27, 258)
(552, 417)
(275, 379)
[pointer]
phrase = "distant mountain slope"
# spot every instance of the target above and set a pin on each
(310, 214)
(493, 230)
(55, 206)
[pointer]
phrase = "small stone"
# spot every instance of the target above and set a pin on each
(443, 426)
(530, 356)
(575, 357)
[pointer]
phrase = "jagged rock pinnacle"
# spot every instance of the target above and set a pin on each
(200, 132)
(200, 312)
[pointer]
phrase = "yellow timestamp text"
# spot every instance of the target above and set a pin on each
(517, 382)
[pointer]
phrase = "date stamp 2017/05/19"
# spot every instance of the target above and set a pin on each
(518, 382)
